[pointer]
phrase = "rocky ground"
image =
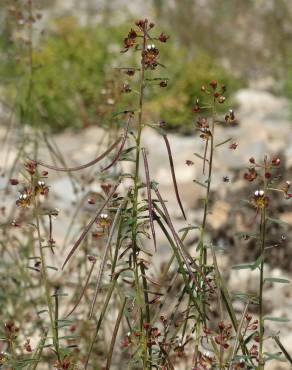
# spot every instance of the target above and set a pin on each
(264, 128)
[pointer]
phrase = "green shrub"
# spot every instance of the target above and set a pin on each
(69, 70)
(184, 87)
(72, 64)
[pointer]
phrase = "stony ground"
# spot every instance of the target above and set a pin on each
(264, 128)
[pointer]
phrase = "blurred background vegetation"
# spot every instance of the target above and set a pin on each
(76, 48)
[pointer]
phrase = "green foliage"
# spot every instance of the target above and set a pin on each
(187, 77)
(70, 66)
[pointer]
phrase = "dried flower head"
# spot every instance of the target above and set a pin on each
(276, 162)
(41, 188)
(64, 364)
(14, 181)
(130, 40)
(285, 188)
(104, 220)
(230, 117)
(251, 175)
(205, 133)
(213, 84)
(150, 56)
(163, 83)
(30, 167)
(27, 346)
(126, 88)
(24, 199)
(106, 188)
(196, 108)
(130, 72)
(3, 358)
(163, 38)
(260, 200)
(233, 146)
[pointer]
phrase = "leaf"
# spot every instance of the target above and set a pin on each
(277, 221)
(274, 356)
(42, 311)
(88, 226)
(105, 254)
(223, 142)
(118, 155)
(187, 228)
(199, 156)
(83, 289)
(149, 197)
(243, 266)
(283, 349)
(277, 280)
(278, 319)
(201, 184)
(258, 262)
(71, 336)
(244, 234)
(173, 175)
(52, 268)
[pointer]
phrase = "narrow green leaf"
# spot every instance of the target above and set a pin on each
(223, 142)
(201, 184)
(277, 280)
(187, 228)
(283, 349)
(243, 266)
(52, 268)
(277, 221)
(257, 262)
(274, 356)
(71, 336)
(278, 319)
(42, 311)
(245, 234)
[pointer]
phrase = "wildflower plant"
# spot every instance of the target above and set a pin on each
(105, 303)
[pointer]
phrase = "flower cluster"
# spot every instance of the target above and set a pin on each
(34, 187)
(150, 53)
(130, 40)
(203, 128)
(266, 173)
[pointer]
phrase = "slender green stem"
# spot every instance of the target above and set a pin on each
(203, 250)
(114, 336)
(135, 194)
(45, 277)
(261, 314)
